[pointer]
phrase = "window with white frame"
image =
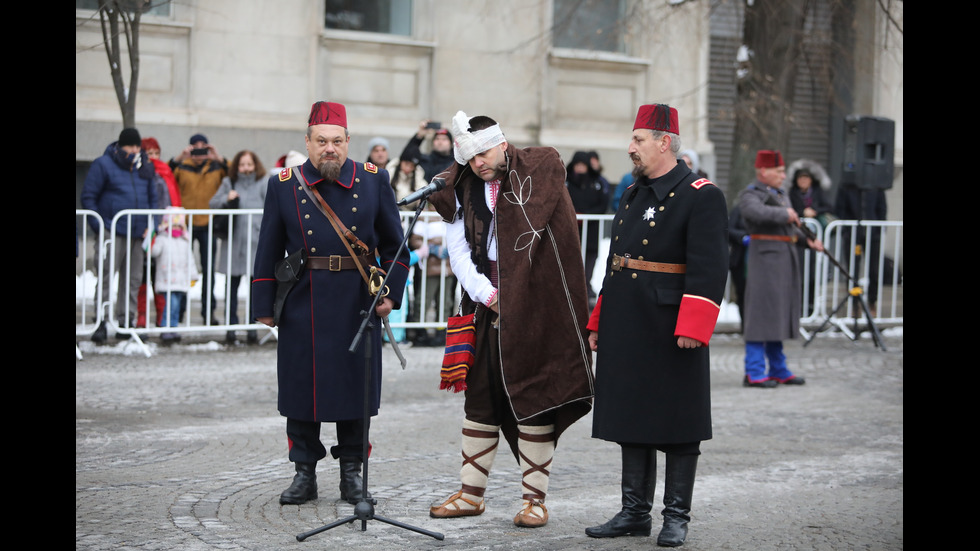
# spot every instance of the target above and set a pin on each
(596, 25)
(376, 16)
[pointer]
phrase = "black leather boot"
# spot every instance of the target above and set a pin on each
(101, 334)
(351, 484)
(678, 491)
(639, 478)
(303, 487)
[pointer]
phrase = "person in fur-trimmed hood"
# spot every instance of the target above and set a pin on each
(808, 183)
(513, 243)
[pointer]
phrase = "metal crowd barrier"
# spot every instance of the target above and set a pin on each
(861, 246)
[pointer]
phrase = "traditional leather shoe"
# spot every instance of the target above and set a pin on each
(230, 338)
(768, 383)
(252, 337)
(623, 524)
(351, 483)
(532, 515)
(452, 508)
(303, 487)
(794, 380)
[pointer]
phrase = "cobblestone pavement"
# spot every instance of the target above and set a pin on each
(185, 450)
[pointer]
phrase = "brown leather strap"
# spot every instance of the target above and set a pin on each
(621, 262)
(346, 236)
(334, 263)
(769, 237)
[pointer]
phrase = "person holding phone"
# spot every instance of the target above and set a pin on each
(199, 170)
(441, 155)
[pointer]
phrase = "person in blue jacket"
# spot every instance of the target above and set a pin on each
(122, 178)
(320, 380)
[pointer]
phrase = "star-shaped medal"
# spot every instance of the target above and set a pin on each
(648, 214)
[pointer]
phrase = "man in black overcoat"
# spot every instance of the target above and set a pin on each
(320, 380)
(660, 299)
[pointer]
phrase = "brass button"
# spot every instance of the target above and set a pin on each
(661, 208)
(355, 195)
(671, 194)
(627, 206)
(309, 232)
(307, 217)
(312, 249)
(639, 258)
(357, 179)
(634, 275)
(303, 201)
(652, 223)
(620, 221)
(353, 228)
(353, 209)
(616, 238)
(645, 242)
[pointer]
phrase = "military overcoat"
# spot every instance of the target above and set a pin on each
(319, 378)
(649, 390)
(774, 275)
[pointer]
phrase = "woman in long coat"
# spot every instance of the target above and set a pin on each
(243, 188)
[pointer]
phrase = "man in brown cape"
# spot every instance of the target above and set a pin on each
(513, 243)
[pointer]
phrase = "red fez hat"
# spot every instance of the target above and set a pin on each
(150, 143)
(767, 158)
(657, 116)
(328, 112)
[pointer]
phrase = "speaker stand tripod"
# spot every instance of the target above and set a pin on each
(856, 292)
(364, 509)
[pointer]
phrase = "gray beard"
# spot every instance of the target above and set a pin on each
(330, 170)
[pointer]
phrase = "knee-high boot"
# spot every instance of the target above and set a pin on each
(479, 447)
(303, 487)
(639, 480)
(536, 447)
(678, 492)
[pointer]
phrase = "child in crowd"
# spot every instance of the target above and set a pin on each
(176, 268)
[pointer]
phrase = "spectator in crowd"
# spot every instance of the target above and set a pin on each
(808, 182)
(441, 155)
(379, 153)
(693, 161)
(590, 195)
(168, 195)
(439, 299)
(407, 176)
(176, 269)
(243, 188)
(122, 178)
(199, 170)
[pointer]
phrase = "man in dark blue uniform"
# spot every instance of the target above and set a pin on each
(319, 379)
(665, 278)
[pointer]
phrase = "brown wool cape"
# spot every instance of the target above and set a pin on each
(546, 363)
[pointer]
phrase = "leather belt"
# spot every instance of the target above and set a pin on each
(768, 237)
(620, 262)
(334, 263)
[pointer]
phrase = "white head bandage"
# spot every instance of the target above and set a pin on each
(467, 145)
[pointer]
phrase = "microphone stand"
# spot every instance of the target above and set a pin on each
(364, 510)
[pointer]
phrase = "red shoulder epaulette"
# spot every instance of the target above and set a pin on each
(701, 182)
(285, 174)
(371, 167)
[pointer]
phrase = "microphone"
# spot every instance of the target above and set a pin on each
(436, 185)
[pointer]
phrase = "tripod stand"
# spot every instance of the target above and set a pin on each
(364, 510)
(856, 292)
